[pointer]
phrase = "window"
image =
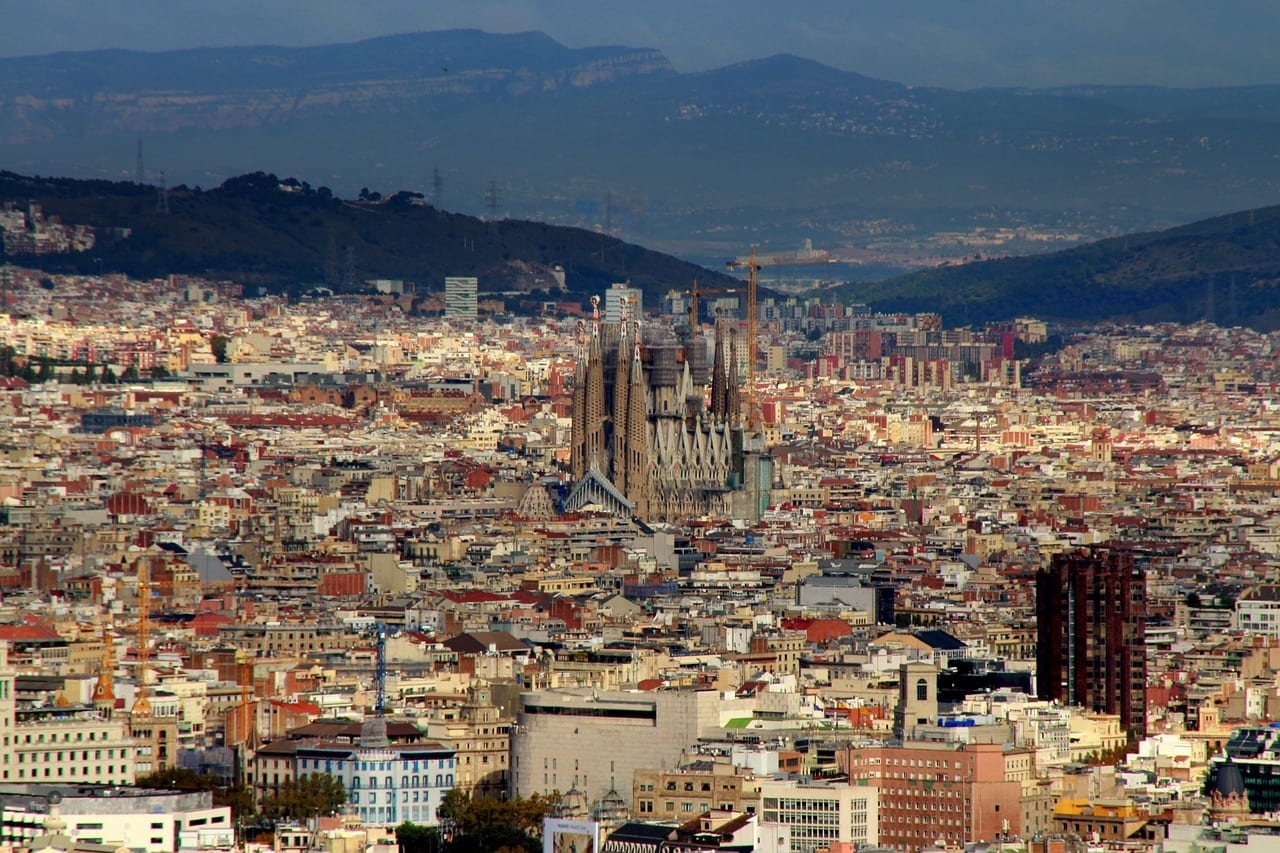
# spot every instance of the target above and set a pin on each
(922, 690)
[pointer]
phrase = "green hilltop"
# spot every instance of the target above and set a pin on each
(285, 235)
(1225, 269)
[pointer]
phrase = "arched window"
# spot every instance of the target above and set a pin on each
(922, 690)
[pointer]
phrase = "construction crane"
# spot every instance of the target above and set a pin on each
(244, 678)
(141, 700)
(695, 292)
(753, 265)
(380, 673)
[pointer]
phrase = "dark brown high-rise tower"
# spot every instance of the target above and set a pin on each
(1092, 607)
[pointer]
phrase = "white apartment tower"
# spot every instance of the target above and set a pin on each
(460, 297)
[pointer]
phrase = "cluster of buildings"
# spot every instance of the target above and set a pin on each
(1034, 607)
(27, 231)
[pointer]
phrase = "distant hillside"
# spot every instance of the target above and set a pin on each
(285, 234)
(719, 155)
(1226, 269)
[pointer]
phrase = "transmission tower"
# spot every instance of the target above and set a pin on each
(437, 188)
(332, 268)
(162, 196)
(141, 174)
(349, 270)
(608, 213)
(492, 197)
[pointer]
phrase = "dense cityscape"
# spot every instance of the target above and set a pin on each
(867, 583)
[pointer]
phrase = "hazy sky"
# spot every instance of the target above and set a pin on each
(955, 43)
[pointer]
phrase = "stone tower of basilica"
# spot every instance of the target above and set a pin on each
(645, 442)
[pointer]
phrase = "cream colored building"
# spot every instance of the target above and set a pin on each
(594, 741)
(60, 743)
(481, 737)
(815, 816)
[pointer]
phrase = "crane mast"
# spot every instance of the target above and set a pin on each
(753, 331)
(753, 265)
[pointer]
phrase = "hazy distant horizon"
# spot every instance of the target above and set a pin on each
(927, 42)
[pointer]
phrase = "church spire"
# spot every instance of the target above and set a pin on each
(621, 409)
(733, 401)
(719, 388)
(593, 402)
(577, 430)
(637, 459)
(104, 691)
(141, 703)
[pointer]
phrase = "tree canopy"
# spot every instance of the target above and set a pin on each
(490, 826)
(306, 797)
(239, 797)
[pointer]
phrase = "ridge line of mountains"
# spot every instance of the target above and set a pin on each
(283, 234)
(616, 136)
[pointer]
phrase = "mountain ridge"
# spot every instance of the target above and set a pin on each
(285, 235)
(1225, 268)
(563, 129)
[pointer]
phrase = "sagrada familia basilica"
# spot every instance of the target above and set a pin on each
(647, 443)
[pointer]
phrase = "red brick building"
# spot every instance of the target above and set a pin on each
(948, 792)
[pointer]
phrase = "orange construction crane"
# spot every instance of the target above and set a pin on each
(695, 292)
(753, 265)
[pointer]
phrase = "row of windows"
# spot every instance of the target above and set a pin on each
(53, 737)
(327, 764)
(71, 771)
(443, 780)
(390, 797)
(36, 757)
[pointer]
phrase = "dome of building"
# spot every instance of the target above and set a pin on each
(1229, 780)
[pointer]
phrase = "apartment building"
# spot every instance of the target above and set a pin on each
(675, 795)
(948, 792)
(812, 816)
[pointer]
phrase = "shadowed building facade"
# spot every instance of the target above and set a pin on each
(1091, 630)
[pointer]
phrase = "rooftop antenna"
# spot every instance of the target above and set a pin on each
(141, 174)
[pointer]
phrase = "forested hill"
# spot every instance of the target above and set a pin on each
(286, 234)
(1226, 269)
